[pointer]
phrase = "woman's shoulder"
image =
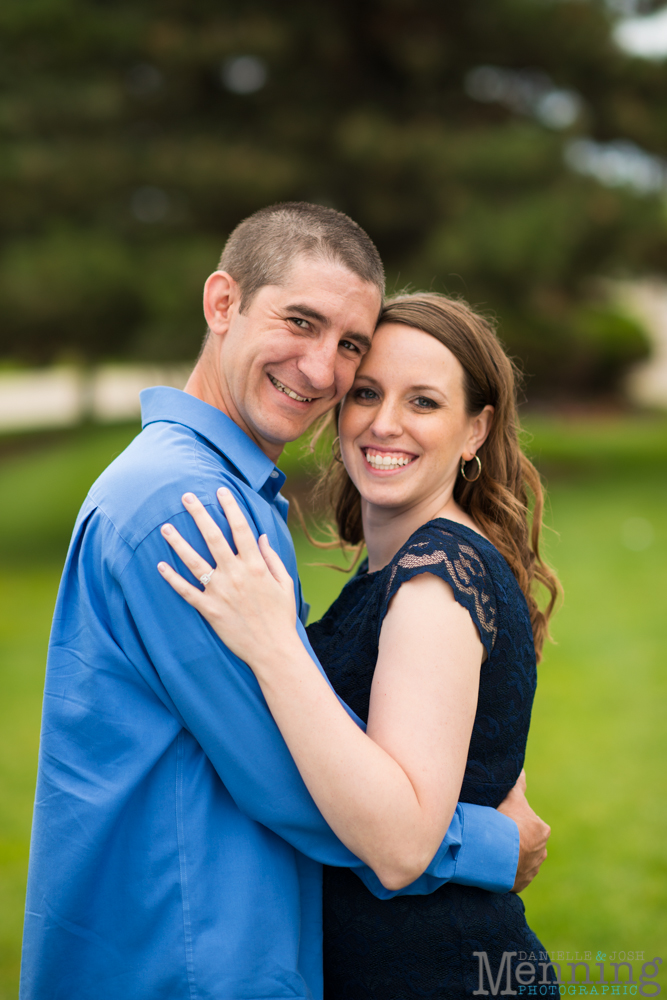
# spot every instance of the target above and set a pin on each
(440, 541)
(478, 574)
(457, 548)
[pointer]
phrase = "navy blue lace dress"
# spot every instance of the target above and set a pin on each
(422, 946)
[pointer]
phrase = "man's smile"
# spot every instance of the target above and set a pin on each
(289, 392)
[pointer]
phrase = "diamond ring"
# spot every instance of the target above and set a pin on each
(206, 577)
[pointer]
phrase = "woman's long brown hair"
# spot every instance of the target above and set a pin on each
(507, 500)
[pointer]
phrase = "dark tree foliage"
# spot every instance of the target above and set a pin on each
(134, 140)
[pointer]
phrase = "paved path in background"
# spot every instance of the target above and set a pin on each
(60, 397)
(647, 384)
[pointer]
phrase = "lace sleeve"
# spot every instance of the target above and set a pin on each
(435, 550)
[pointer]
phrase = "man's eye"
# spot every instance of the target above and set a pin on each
(303, 324)
(349, 346)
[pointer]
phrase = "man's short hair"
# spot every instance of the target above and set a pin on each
(262, 248)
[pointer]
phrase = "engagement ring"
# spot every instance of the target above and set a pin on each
(206, 577)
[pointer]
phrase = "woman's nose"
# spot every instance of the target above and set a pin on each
(387, 423)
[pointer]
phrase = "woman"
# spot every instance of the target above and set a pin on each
(433, 643)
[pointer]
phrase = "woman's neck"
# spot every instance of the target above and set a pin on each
(386, 529)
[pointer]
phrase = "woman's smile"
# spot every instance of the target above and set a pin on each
(387, 460)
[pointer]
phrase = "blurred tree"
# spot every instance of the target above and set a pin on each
(136, 135)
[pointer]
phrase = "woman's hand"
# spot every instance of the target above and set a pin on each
(248, 598)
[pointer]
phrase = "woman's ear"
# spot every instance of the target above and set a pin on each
(221, 295)
(480, 425)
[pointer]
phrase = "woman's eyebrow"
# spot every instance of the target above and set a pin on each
(368, 379)
(412, 388)
(426, 388)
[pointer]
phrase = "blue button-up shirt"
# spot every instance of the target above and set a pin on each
(176, 852)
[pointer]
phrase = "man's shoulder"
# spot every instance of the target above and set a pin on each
(143, 486)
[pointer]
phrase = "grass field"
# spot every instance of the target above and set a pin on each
(598, 746)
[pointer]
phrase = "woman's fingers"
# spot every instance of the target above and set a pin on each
(278, 572)
(184, 551)
(274, 562)
(181, 586)
(244, 539)
(217, 543)
(211, 533)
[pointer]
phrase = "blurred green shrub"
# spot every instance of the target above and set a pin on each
(580, 353)
(91, 295)
(605, 343)
(68, 288)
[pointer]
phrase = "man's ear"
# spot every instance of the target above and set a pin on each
(222, 298)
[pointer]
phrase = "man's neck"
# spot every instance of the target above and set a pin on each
(204, 384)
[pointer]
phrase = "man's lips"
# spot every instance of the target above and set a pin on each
(281, 387)
(387, 460)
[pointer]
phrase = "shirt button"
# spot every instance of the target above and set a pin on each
(275, 474)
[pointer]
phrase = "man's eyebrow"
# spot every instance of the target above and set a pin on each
(309, 313)
(298, 307)
(359, 338)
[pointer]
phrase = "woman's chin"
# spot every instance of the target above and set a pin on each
(386, 494)
(385, 488)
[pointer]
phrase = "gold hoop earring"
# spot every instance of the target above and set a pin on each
(335, 450)
(475, 458)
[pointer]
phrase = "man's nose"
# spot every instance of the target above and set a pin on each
(318, 364)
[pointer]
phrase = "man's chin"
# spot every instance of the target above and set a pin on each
(280, 428)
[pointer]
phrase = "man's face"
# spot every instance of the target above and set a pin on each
(295, 350)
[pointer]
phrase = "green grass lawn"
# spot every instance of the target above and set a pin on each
(598, 744)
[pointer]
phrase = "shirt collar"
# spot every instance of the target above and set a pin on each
(178, 407)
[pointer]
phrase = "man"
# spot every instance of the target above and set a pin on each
(176, 852)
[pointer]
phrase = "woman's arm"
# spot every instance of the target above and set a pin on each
(389, 794)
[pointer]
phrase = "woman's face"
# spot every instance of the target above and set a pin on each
(403, 425)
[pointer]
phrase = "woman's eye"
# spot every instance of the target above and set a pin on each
(364, 393)
(424, 403)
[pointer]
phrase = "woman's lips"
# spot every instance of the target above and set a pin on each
(380, 460)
